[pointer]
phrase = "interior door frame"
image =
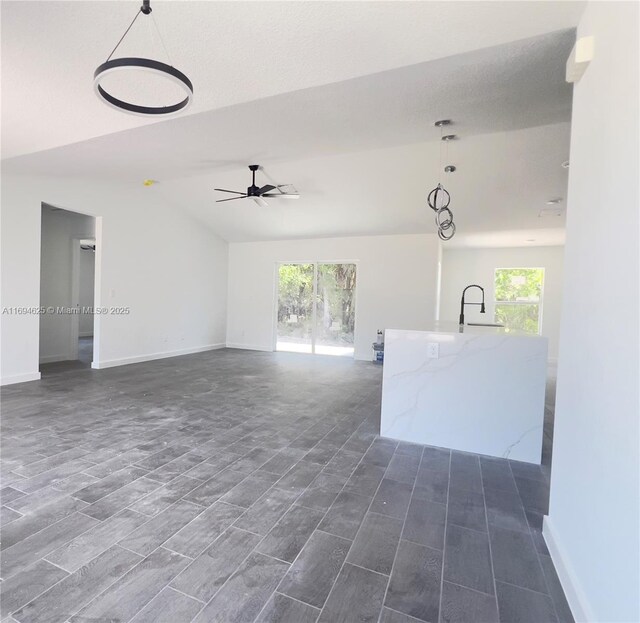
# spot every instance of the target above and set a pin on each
(74, 332)
(97, 289)
(315, 264)
(75, 293)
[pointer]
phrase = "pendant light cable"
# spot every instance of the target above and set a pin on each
(126, 32)
(166, 51)
(441, 160)
(446, 148)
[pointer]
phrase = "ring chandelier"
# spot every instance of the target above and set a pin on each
(439, 198)
(146, 64)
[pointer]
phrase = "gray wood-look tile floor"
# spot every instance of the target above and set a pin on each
(237, 486)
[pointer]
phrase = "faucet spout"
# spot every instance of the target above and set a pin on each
(463, 302)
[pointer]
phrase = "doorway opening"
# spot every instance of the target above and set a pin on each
(67, 286)
(316, 308)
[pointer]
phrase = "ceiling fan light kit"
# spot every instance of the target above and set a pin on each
(439, 198)
(145, 64)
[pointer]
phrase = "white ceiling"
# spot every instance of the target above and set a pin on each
(234, 52)
(340, 102)
(502, 182)
(508, 87)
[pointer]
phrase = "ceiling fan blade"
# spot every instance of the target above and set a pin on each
(224, 190)
(260, 201)
(283, 195)
(231, 199)
(266, 188)
(287, 189)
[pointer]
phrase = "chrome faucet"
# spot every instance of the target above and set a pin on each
(463, 303)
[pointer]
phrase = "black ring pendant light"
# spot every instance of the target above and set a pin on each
(146, 64)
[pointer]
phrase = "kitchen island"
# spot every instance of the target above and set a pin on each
(475, 389)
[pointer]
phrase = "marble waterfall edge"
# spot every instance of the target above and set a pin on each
(484, 393)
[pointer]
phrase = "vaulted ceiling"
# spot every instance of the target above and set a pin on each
(338, 98)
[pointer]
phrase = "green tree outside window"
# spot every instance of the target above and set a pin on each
(518, 298)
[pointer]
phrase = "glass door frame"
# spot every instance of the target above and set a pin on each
(314, 313)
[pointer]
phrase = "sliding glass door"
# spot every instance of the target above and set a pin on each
(335, 309)
(316, 308)
(296, 294)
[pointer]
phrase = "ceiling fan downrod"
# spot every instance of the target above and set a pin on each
(253, 168)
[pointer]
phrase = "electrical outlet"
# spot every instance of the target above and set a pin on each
(433, 350)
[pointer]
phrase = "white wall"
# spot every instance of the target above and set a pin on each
(59, 228)
(170, 270)
(593, 524)
(87, 270)
(395, 287)
(461, 267)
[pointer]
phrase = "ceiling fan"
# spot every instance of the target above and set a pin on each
(257, 193)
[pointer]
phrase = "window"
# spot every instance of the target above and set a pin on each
(518, 298)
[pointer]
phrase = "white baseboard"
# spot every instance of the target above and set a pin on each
(576, 597)
(249, 347)
(112, 363)
(20, 378)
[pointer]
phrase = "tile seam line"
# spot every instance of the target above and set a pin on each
(444, 544)
(524, 588)
(171, 588)
(404, 614)
(486, 519)
(276, 592)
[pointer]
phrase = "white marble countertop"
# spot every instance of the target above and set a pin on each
(454, 327)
